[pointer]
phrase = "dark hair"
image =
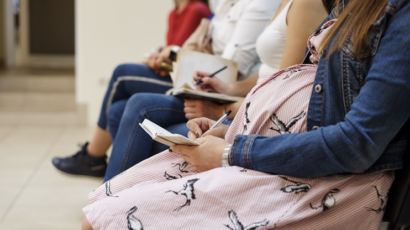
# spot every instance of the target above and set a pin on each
(329, 5)
(204, 1)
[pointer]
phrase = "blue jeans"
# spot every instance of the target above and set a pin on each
(131, 143)
(127, 80)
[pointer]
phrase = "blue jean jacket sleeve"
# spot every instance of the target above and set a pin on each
(352, 146)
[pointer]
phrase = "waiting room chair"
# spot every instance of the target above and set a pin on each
(397, 212)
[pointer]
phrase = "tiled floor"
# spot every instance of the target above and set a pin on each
(33, 195)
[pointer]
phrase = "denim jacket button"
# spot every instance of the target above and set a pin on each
(315, 127)
(318, 88)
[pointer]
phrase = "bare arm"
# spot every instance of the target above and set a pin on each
(242, 88)
(303, 18)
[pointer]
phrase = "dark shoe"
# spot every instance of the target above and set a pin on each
(82, 163)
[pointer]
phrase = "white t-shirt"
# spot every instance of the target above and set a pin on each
(235, 28)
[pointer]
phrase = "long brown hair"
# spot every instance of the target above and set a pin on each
(356, 19)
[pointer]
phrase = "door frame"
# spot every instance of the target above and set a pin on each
(30, 60)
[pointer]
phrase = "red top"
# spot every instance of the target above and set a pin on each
(181, 26)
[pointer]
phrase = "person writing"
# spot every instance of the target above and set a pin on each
(126, 80)
(311, 156)
(280, 45)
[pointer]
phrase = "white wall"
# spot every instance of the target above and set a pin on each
(111, 32)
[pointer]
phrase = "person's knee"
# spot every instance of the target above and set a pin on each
(140, 102)
(128, 70)
(116, 111)
(119, 71)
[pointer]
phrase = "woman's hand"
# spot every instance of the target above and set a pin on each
(199, 127)
(155, 59)
(150, 61)
(205, 157)
(209, 84)
(202, 108)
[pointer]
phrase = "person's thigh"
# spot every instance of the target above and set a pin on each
(132, 144)
(128, 79)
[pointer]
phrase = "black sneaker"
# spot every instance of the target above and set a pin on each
(82, 163)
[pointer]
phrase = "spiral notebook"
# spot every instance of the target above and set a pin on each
(163, 136)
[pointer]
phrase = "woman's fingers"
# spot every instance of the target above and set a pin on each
(193, 135)
(190, 103)
(199, 125)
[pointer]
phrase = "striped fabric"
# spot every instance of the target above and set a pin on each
(163, 192)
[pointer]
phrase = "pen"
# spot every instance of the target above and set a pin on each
(218, 122)
(200, 81)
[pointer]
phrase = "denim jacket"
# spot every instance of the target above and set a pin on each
(357, 113)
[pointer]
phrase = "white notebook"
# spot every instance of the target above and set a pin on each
(189, 61)
(163, 136)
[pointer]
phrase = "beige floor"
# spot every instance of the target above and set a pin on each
(33, 195)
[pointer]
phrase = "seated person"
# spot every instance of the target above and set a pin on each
(253, 16)
(128, 79)
(302, 155)
(281, 44)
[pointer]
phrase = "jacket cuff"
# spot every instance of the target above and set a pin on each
(240, 154)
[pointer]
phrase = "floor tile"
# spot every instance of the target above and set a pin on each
(3, 211)
(43, 218)
(55, 196)
(19, 161)
(51, 177)
(14, 177)
(8, 195)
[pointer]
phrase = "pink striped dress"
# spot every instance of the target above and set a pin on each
(164, 192)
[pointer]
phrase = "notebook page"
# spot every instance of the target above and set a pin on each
(178, 139)
(190, 61)
(154, 129)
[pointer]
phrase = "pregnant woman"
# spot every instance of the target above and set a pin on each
(314, 146)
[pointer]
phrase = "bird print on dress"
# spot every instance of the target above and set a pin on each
(133, 222)
(297, 187)
(292, 72)
(328, 201)
(239, 226)
(383, 200)
(108, 189)
(282, 128)
(246, 120)
(170, 177)
(188, 192)
(181, 166)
